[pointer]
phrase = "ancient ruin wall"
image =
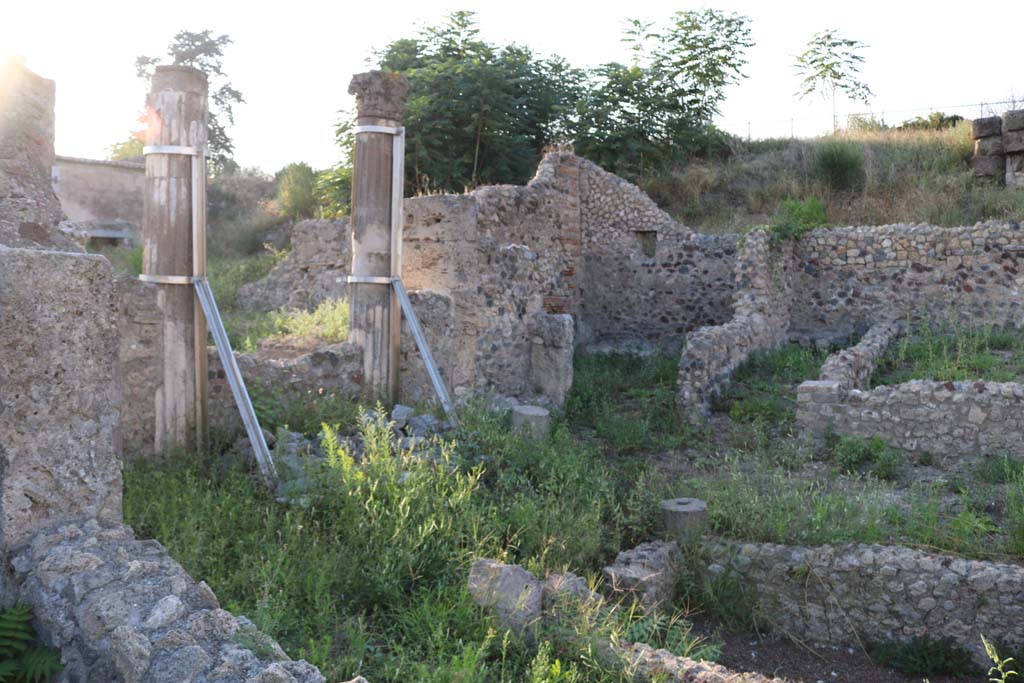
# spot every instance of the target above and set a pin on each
(847, 279)
(103, 197)
(760, 320)
(854, 594)
(29, 210)
(313, 272)
(999, 148)
(118, 609)
(645, 276)
(60, 446)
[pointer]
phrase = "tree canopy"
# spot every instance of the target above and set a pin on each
(204, 51)
(479, 113)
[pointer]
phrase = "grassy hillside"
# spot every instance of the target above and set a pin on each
(868, 177)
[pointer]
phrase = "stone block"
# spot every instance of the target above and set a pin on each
(1013, 120)
(989, 167)
(60, 445)
(646, 573)
(1014, 141)
(986, 147)
(1015, 171)
(531, 421)
(512, 593)
(986, 127)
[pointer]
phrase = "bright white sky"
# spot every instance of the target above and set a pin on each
(293, 60)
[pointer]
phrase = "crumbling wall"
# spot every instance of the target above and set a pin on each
(489, 267)
(314, 271)
(645, 276)
(60, 445)
(120, 609)
(29, 210)
(761, 320)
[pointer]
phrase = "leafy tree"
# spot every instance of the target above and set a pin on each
(937, 120)
(831, 64)
(295, 190)
(126, 149)
(476, 113)
(638, 118)
(205, 51)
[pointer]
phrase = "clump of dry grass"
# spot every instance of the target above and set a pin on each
(908, 176)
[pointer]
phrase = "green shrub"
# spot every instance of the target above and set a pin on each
(295, 190)
(795, 218)
(21, 659)
(839, 164)
(851, 453)
(925, 657)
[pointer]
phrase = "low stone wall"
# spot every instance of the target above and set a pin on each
(119, 609)
(854, 594)
(852, 367)
(959, 420)
(760, 320)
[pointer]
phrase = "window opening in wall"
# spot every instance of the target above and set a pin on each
(648, 241)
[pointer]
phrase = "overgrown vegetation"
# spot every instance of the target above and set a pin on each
(369, 577)
(627, 401)
(865, 177)
(22, 660)
(763, 388)
(925, 657)
(953, 353)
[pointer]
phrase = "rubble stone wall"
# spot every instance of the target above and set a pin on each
(855, 593)
(945, 419)
(760, 320)
(120, 609)
(847, 279)
(645, 276)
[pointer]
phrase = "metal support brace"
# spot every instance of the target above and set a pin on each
(209, 313)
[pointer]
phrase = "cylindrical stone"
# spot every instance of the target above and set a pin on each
(379, 102)
(683, 519)
(531, 421)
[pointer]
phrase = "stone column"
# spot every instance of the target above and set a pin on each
(177, 113)
(1013, 146)
(989, 157)
(379, 101)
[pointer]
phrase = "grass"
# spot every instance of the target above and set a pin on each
(369, 577)
(628, 402)
(906, 176)
(952, 354)
(763, 388)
